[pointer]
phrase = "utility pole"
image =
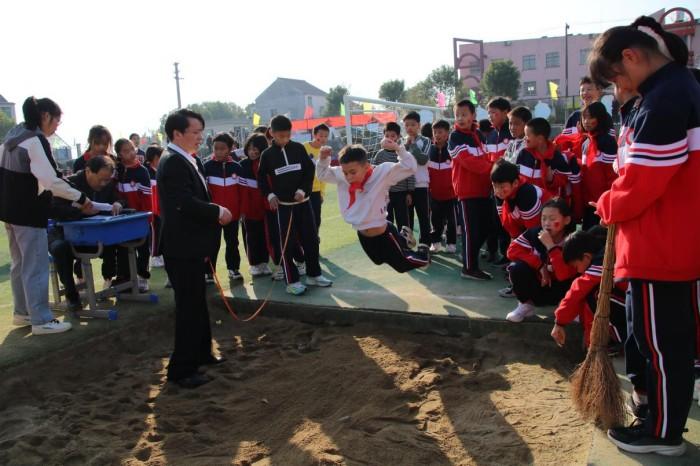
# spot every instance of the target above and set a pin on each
(566, 61)
(177, 84)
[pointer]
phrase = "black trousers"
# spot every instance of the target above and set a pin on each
(63, 259)
(232, 255)
(618, 315)
(663, 317)
(316, 202)
(421, 207)
(443, 214)
(256, 242)
(109, 256)
(273, 233)
(155, 236)
(397, 205)
(476, 225)
(192, 329)
(391, 248)
(590, 219)
(143, 258)
(303, 228)
(527, 287)
(498, 239)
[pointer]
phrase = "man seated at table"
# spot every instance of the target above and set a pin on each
(95, 181)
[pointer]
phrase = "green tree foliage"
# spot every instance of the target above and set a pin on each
(421, 94)
(334, 99)
(501, 78)
(442, 79)
(394, 90)
(6, 124)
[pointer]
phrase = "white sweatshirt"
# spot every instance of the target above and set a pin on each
(369, 209)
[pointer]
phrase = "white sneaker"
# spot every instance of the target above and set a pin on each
(435, 248)
(143, 285)
(278, 276)
(451, 248)
(234, 275)
(52, 326)
(19, 320)
(260, 270)
(301, 267)
(407, 234)
(521, 312)
(696, 391)
(506, 292)
(157, 261)
(296, 289)
(107, 283)
(319, 281)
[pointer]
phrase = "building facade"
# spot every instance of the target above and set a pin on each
(289, 97)
(8, 108)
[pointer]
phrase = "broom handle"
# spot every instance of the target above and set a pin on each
(606, 282)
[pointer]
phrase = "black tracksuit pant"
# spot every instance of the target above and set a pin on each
(476, 225)
(443, 214)
(232, 255)
(256, 241)
(527, 287)
(391, 248)
(663, 317)
(397, 205)
(421, 208)
(303, 229)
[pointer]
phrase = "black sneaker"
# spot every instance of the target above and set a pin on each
(476, 275)
(210, 279)
(639, 411)
(636, 439)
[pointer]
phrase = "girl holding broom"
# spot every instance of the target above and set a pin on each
(653, 204)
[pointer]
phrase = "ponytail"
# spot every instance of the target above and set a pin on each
(644, 33)
(33, 108)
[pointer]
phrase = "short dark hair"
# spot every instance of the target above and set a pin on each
(501, 103)
(427, 130)
(353, 153)
(153, 152)
(485, 125)
(179, 120)
(321, 127)
(262, 129)
(441, 124)
(280, 123)
(581, 242)
(466, 103)
(412, 115)
(131, 136)
(257, 140)
(225, 138)
(606, 55)
(99, 162)
(521, 113)
(32, 109)
(564, 209)
(588, 80)
(393, 126)
(121, 142)
(504, 171)
(98, 133)
(540, 127)
(598, 111)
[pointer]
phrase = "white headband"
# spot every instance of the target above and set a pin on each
(659, 40)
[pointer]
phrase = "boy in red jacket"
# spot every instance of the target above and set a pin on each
(222, 175)
(443, 213)
(470, 178)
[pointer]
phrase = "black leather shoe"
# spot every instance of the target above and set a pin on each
(213, 361)
(193, 381)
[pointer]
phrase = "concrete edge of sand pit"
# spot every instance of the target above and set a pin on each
(409, 321)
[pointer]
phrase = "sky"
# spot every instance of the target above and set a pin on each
(111, 62)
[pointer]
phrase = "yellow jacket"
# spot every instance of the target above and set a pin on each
(319, 186)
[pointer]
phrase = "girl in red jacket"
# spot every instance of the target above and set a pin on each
(654, 204)
(538, 274)
(598, 154)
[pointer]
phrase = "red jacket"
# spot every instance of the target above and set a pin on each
(253, 202)
(655, 201)
(597, 173)
(529, 249)
(535, 167)
(471, 164)
(134, 185)
(222, 181)
(523, 209)
(440, 173)
(584, 289)
(155, 206)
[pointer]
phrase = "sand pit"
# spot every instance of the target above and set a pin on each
(296, 394)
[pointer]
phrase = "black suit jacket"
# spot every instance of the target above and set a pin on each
(189, 219)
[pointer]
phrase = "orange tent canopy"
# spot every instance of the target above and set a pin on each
(339, 121)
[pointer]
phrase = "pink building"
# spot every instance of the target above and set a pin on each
(543, 60)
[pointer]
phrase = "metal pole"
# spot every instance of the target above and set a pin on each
(566, 61)
(348, 119)
(177, 84)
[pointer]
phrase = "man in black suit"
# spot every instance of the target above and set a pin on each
(188, 235)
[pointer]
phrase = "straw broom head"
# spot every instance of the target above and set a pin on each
(595, 388)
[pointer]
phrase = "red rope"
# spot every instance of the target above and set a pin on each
(269, 291)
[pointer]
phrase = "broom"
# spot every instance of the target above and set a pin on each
(595, 388)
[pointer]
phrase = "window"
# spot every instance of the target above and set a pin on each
(529, 62)
(530, 88)
(583, 56)
(551, 60)
(308, 101)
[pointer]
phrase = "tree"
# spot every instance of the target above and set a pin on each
(501, 78)
(444, 79)
(393, 90)
(219, 110)
(421, 94)
(334, 99)
(6, 124)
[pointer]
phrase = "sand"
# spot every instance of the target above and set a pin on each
(296, 394)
